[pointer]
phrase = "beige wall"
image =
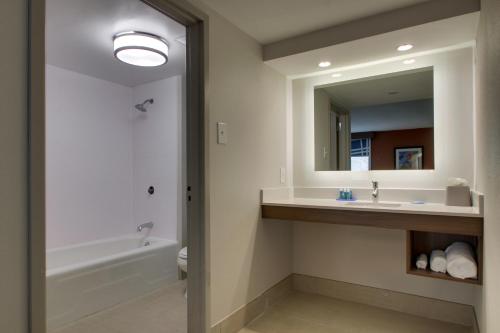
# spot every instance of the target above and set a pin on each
(247, 255)
(13, 182)
(376, 257)
(488, 162)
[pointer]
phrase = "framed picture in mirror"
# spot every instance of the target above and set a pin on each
(408, 158)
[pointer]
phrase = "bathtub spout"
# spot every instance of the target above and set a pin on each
(148, 225)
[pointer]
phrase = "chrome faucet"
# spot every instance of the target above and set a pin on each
(148, 225)
(375, 190)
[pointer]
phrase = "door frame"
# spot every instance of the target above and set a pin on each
(196, 23)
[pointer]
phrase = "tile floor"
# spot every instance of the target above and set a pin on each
(307, 313)
(163, 311)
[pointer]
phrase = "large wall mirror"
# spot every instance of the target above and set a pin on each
(383, 122)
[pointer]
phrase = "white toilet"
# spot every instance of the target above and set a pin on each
(182, 261)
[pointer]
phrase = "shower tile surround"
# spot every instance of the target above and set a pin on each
(103, 154)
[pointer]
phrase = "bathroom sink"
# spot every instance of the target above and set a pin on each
(374, 204)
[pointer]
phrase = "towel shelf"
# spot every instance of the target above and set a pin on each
(418, 242)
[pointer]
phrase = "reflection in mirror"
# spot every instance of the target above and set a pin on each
(383, 122)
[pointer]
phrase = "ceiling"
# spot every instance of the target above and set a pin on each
(426, 38)
(269, 21)
(79, 37)
(384, 89)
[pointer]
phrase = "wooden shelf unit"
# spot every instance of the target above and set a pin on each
(418, 242)
(425, 232)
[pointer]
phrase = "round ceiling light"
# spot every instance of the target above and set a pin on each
(405, 47)
(335, 75)
(409, 61)
(140, 49)
(324, 64)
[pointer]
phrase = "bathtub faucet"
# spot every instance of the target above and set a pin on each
(148, 225)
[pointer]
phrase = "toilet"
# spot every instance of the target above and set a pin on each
(182, 259)
(182, 262)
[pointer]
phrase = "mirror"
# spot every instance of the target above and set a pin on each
(383, 122)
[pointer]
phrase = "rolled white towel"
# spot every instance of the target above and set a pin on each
(422, 261)
(460, 261)
(438, 261)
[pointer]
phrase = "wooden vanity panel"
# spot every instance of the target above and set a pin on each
(424, 233)
(458, 225)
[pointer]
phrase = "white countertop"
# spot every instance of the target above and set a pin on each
(284, 197)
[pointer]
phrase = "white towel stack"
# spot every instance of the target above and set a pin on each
(438, 261)
(460, 261)
(422, 261)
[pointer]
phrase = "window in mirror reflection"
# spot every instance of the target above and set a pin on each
(382, 122)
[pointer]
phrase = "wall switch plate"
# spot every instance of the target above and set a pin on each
(282, 175)
(221, 133)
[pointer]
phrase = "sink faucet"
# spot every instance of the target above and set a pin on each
(375, 190)
(148, 225)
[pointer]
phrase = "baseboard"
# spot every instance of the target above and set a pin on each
(241, 317)
(392, 300)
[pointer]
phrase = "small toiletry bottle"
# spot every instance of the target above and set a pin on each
(341, 194)
(349, 194)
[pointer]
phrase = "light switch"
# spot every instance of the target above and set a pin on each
(221, 133)
(282, 175)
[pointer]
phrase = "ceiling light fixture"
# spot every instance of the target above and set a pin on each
(140, 49)
(409, 61)
(336, 74)
(405, 47)
(324, 64)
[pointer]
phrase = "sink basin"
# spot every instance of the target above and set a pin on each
(373, 204)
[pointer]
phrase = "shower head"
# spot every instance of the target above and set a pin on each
(142, 107)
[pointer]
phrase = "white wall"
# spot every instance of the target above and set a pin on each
(453, 123)
(488, 158)
(102, 155)
(89, 158)
(376, 257)
(13, 169)
(157, 156)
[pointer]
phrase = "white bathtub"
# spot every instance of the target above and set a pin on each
(86, 278)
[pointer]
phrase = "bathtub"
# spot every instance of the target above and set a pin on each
(90, 277)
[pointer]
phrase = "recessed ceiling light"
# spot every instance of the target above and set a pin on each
(324, 64)
(405, 47)
(140, 49)
(409, 61)
(336, 74)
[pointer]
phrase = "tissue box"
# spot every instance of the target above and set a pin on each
(458, 196)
